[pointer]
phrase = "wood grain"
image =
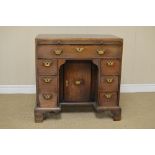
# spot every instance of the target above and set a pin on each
(77, 71)
(93, 77)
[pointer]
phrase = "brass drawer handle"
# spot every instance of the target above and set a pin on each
(108, 96)
(109, 80)
(47, 96)
(47, 80)
(47, 63)
(58, 52)
(100, 51)
(79, 49)
(110, 63)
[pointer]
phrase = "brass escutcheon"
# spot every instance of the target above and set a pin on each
(110, 63)
(47, 63)
(47, 80)
(77, 82)
(109, 80)
(79, 49)
(47, 96)
(108, 96)
(58, 51)
(100, 51)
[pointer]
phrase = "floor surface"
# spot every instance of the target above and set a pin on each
(138, 111)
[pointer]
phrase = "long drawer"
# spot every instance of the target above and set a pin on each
(78, 51)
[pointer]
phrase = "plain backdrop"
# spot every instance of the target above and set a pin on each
(17, 67)
(17, 51)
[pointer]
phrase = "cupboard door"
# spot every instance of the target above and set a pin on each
(77, 81)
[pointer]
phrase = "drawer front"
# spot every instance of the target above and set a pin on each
(110, 66)
(77, 51)
(47, 67)
(48, 100)
(108, 99)
(109, 83)
(47, 84)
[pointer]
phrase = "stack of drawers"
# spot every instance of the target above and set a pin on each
(47, 82)
(109, 82)
(104, 52)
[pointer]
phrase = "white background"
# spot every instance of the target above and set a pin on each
(77, 142)
(77, 13)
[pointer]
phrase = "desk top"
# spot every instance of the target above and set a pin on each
(77, 39)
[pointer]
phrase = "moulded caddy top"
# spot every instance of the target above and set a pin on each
(77, 39)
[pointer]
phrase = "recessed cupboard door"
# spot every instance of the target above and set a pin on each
(77, 81)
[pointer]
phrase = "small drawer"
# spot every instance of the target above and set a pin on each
(78, 51)
(47, 67)
(47, 100)
(108, 99)
(109, 83)
(47, 84)
(110, 67)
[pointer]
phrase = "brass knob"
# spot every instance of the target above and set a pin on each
(79, 49)
(108, 96)
(110, 63)
(47, 63)
(58, 51)
(100, 51)
(47, 80)
(47, 96)
(109, 80)
(77, 82)
(67, 83)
